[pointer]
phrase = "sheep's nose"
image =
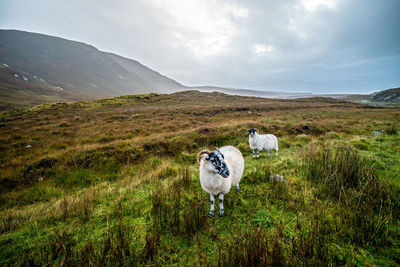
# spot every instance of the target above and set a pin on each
(225, 174)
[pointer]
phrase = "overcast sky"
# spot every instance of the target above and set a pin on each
(320, 46)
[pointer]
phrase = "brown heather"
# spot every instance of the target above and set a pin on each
(114, 182)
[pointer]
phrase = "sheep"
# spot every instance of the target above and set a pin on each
(219, 171)
(262, 142)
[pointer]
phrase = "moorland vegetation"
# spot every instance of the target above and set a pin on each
(114, 182)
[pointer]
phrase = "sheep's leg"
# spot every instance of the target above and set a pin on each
(276, 152)
(258, 154)
(237, 187)
(254, 154)
(221, 204)
(211, 214)
(269, 152)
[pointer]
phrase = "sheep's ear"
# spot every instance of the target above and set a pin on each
(248, 130)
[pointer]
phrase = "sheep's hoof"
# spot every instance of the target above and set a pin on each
(211, 214)
(221, 213)
(237, 189)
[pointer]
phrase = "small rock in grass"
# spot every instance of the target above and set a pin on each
(278, 178)
(28, 146)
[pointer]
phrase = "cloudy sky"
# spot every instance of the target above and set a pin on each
(320, 46)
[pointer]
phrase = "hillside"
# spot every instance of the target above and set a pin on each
(249, 92)
(62, 70)
(21, 89)
(389, 95)
(114, 181)
(81, 70)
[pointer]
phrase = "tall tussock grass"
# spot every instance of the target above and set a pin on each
(77, 206)
(392, 129)
(257, 174)
(252, 248)
(174, 209)
(338, 169)
(257, 246)
(365, 203)
(115, 248)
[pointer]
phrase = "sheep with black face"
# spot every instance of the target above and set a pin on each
(219, 171)
(262, 142)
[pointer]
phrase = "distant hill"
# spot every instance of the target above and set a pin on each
(249, 92)
(37, 68)
(81, 70)
(389, 95)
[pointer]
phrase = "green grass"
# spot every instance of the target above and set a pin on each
(79, 197)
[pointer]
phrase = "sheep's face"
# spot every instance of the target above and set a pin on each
(216, 163)
(252, 132)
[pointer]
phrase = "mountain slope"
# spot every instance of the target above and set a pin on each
(389, 95)
(20, 89)
(156, 79)
(59, 70)
(80, 69)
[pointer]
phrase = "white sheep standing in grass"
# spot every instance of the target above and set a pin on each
(219, 171)
(262, 142)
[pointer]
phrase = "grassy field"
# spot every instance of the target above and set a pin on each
(114, 182)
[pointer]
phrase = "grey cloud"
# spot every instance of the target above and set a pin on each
(352, 47)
